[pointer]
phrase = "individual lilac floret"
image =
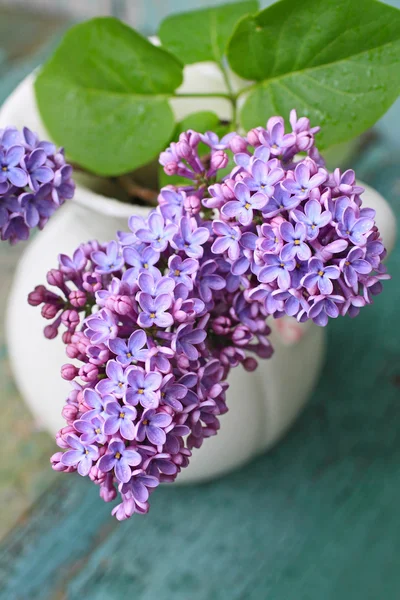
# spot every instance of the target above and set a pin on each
(116, 381)
(143, 388)
(120, 418)
(190, 238)
(38, 172)
(187, 339)
(109, 261)
(181, 270)
(295, 238)
(242, 208)
(277, 268)
(263, 178)
(227, 240)
(325, 307)
(303, 182)
(152, 425)
(353, 265)
(130, 350)
(354, 228)
(313, 218)
(10, 170)
(81, 455)
(154, 310)
(321, 275)
(121, 459)
(158, 233)
(28, 173)
(281, 200)
(91, 430)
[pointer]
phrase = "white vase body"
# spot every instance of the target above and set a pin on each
(262, 405)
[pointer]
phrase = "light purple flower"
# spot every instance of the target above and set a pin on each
(91, 430)
(212, 140)
(190, 238)
(171, 392)
(116, 381)
(139, 484)
(155, 286)
(95, 402)
(16, 229)
(9, 169)
(131, 349)
(353, 265)
(101, 326)
(186, 339)
(36, 207)
(121, 459)
(73, 265)
(171, 204)
(276, 268)
(243, 207)
(324, 307)
(157, 233)
(354, 229)
(180, 270)
(263, 178)
(208, 280)
(280, 201)
(276, 140)
(321, 275)
(143, 388)
(312, 218)
(63, 186)
(38, 172)
(303, 182)
(141, 261)
(110, 260)
(227, 240)
(152, 425)
(81, 455)
(295, 238)
(154, 310)
(120, 419)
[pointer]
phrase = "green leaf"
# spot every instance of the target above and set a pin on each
(335, 61)
(104, 96)
(203, 35)
(200, 121)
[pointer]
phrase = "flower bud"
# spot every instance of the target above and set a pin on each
(219, 160)
(69, 372)
(77, 298)
(88, 372)
(50, 332)
(55, 277)
(49, 311)
(38, 295)
(70, 318)
(238, 144)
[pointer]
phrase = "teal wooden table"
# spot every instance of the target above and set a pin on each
(315, 519)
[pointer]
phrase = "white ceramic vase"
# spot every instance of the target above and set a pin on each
(262, 405)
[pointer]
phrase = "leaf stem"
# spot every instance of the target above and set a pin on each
(231, 94)
(203, 95)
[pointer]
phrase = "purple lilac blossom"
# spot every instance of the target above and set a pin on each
(28, 178)
(154, 341)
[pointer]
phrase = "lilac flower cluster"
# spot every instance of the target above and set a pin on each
(295, 235)
(34, 182)
(154, 322)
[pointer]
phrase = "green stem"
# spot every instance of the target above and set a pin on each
(231, 94)
(203, 95)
